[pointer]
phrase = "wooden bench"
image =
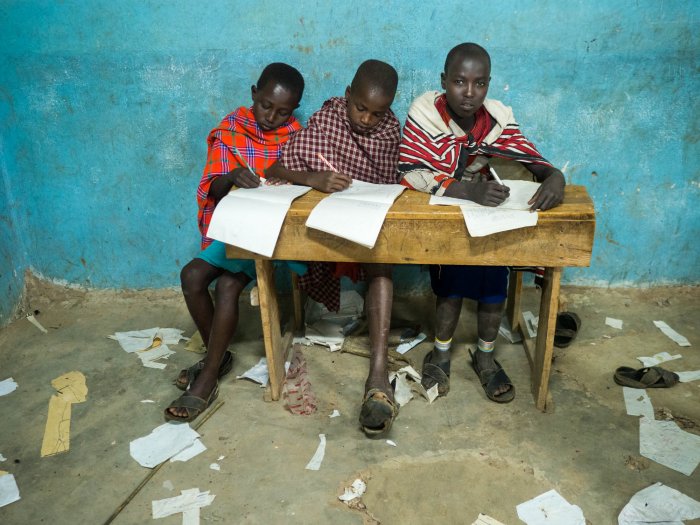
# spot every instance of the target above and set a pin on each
(416, 233)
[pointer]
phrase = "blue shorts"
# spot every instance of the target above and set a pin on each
(215, 254)
(486, 284)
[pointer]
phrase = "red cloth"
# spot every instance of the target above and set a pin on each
(238, 131)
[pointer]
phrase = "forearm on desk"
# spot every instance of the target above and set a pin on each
(279, 171)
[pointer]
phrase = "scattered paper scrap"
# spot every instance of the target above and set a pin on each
(665, 443)
(403, 391)
(356, 490)
(36, 323)
(259, 372)
(508, 333)
(550, 508)
(531, 323)
(142, 339)
(9, 492)
(688, 376)
(614, 323)
(147, 401)
(391, 443)
(220, 458)
(196, 448)
(2, 458)
(7, 386)
(215, 466)
(71, 389)
(659, 358)
(483, 519)
(162, 443)
(658, 504)
(195, 344)
(408, 345)
(167, 484)
(637, 402)
(150, 356)
(670, 332)
(432, 393)
(317, 459)
(335, 413)
(188, 503)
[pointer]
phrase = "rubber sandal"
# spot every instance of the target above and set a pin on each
(568, 325)
(194, 405)
(650, 377)
(193, 371)
(492, 379)
(433, 374)
(378, 413)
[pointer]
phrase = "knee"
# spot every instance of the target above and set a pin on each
(193, 278)
(229, 286)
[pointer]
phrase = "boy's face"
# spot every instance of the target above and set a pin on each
(272, 105)
(466, 83)
(366, 108)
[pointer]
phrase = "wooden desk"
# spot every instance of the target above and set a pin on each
(416, 233)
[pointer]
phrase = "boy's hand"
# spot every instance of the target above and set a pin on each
(275, 181)
(243, 178)
(489, 193)
(329, 181)
(549, 194)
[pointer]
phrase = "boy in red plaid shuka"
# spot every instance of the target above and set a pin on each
(359, 136)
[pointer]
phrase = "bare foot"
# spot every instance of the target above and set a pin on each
(485, 361)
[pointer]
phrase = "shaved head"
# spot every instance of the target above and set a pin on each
(467, 50)
(375, 75)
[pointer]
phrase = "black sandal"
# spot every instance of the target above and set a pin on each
(491, 380)
(568, 325)
(433, 374)
(193, 371)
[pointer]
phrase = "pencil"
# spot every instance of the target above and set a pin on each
(495, 176)
(244, 161)
(323, 159)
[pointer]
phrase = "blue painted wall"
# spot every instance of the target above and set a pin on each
(106, 106)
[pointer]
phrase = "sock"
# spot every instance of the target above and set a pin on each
(443, 346)
(485, 346)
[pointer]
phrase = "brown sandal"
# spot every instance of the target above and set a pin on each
(193, 371)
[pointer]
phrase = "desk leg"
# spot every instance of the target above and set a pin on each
(545, 336)
(270, 314)
(515, 291)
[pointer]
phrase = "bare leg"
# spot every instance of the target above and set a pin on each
(378, 304)
(447, 311)
(225, 319)
(195, 278)
(488, 320)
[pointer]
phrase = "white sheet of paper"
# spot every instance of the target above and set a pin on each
(521, 191)
(659, 504)
(483, 519)
(154, 354)
(408, 345)
(252, 218)
(659, 358)
(550, 508)
(667, 444)
(688, 376)
(187, 500)
(637, 402)
(357, 213)
(162, 443)
(135, 340)
(670, 332)
(7, 386)
(196, 448)
(614, 323)
(9, 492)
(317, 459)
(486, 221)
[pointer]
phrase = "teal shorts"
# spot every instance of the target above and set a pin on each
(215, 254)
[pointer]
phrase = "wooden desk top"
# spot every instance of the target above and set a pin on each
(416, 233)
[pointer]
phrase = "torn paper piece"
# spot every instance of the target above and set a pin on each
(7, 386)
(351, 307)
(483, 519)
(71, 388)
(658, 504)
(391, 443)
(215, 466)
(335, 413)
(356, 490)
(325, 333)
(614, 323)
(402, 390)
(411, 372)
(2, 458)
(687, 377)
(670, 332)
(162, 443)
(531, 323)
(665, 443)
(195, 449)
(187, 500)
(36, 323)
(507, 332)
(659, 358)
(135, 340)
(220, 458)
(317, 458)
(259, 372)
(167, 484)
(195, 344)
(9, 492)
(408, 345)
(432, 393)
(147, 401)
(637, 402)
(550, 508)
(170, 336)
(149, 357)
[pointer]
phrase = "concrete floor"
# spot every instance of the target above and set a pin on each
(455, 458)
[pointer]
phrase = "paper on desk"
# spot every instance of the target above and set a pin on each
(665, 443)
(637, 402)
(317, 459)
(670, 332)
(487, 221)
(71, 389)
(196, 448)
(521, 191)
(688, 376)
(659, 358)
(613, 323)
(7, 386)
(252, 218)
(357, 213)
(408, 345)
(659, 504)
(9, 492)
(483, 519)
(550, 508)
(188, 500)
(162, 443)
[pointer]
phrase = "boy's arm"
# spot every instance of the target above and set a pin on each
(325, 181)
(239, 177)
(551, 191)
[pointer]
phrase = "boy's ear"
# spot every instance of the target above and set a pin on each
(253, 92)
(347, 93)
(443, 80)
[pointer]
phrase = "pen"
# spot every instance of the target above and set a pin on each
(323, 159)
(245, 161)
(495, 176)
